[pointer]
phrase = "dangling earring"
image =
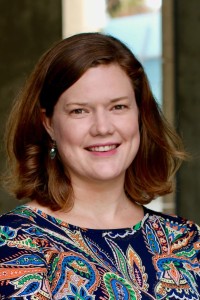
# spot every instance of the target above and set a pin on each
(53, 150)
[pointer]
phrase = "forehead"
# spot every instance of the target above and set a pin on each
(101, 81)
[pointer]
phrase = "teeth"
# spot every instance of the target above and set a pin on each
(102, 148)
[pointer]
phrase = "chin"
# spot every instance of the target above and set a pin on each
(109, 176)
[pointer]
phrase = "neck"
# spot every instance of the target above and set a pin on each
(99, 196)
(102, 205)
(99, 206)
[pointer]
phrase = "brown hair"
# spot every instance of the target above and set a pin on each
(34, 175)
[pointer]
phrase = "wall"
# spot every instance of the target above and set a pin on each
(181, 86)
(187, 92)
(27, 29)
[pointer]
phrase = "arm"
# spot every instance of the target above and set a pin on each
(23, 269)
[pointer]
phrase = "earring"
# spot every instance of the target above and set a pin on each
(53, 150)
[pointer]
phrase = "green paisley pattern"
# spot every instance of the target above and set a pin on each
(45, 258)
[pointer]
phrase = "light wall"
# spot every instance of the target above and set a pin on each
(82, 16)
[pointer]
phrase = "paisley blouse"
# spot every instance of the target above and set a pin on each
(42, 257)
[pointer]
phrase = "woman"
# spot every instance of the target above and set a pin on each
(88, 146)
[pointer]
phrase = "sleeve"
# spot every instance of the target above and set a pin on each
(197, 244)
(23, 269)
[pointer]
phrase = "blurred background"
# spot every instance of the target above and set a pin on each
(163, 34)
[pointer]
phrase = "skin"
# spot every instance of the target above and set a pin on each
(95, 126)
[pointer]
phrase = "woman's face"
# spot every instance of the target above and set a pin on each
(95, 125)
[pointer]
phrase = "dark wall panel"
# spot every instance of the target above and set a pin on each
(27, 29)
(187, 84)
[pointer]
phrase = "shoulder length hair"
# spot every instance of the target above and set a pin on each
(34, 175)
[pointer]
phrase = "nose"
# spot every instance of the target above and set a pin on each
(102, 123)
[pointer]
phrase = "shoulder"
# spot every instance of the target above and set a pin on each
(173, 225)
(172, 218)
(18, 217)
(23, 265)
(15, 226)
(171, 234)
(24, 221)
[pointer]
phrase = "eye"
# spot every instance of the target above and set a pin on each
(119, 107)
(78, 111)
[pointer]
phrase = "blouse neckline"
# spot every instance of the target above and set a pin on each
(72, 227)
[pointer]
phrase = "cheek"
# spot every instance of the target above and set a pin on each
(132, 129)
(133, 135)
(61, 129)
(65, 140)
(68, 136)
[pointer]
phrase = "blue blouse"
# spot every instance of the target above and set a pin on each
(42, 257)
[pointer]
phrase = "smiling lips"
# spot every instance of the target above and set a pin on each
(105, 148)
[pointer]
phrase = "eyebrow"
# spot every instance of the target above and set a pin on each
(86, 103)
(77, 103)
(118, 99)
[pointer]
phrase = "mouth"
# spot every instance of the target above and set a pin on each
(102, 148)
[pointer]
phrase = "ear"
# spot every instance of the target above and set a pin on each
(47, 123)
